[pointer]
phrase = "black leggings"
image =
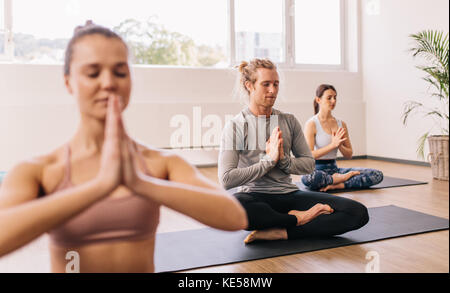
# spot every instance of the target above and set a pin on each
(266, 211)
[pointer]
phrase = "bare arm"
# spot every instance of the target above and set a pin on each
(189, 192)
(310, 134)
(337, 140)
(23, 217)
(346, 147)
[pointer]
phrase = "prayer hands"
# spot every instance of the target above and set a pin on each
(274, 145)
(338, 137)
(117, 163)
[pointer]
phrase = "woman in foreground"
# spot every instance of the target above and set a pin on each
(99, 194)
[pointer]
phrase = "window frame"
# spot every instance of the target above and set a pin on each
(8, 46)
(288, 38)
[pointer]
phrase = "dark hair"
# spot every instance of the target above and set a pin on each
(319, 93)
(85, 30)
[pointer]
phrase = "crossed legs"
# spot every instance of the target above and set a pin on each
(340, 178)
(300, 214)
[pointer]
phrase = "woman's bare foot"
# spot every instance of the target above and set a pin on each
(269, 234)
(333, 186)
(340, 178)
(304, 217)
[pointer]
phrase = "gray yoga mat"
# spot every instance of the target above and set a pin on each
(386, 183)
(183, 250)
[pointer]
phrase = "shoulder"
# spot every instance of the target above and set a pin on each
(235, 125)
(24, 180)
(290, 118)
(151, 153)
(35, 167)
(238, 118)
(310, 124)
(160, 160)
(28, 169)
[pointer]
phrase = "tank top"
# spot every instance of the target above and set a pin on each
(130, 217)
(322, 139)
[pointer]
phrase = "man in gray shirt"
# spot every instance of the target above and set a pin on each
(255, 156)
(256, 171)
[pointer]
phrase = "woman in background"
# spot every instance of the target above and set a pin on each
(326, 135)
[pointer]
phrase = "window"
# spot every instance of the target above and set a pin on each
(218, 33)
(259, 34)
(2, 17)
(170, 32)
(318, 32)
(2, 28)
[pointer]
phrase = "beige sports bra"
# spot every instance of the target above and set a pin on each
(131, 217)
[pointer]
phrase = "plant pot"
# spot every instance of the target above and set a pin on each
(438, 156)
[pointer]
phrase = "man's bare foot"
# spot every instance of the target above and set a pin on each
(340, 178)
(268, 234)
(304, 217)
(333, 186)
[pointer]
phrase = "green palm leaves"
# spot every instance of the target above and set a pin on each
(432, 47)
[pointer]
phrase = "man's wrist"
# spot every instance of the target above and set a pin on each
(283, 162)
(267, 158)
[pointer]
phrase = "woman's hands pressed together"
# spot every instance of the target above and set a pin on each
(338, 137)
(117, 164)
(110, 173)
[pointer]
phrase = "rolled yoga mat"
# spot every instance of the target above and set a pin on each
(183, 250)
(386, 183)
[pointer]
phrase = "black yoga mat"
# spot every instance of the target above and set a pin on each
(386, 183)
(183, 250)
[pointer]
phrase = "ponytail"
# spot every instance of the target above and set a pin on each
(241, 67)
(316, 107)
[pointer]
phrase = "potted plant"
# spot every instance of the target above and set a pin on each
(432, 46)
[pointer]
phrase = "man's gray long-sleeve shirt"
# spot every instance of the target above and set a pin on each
(244, 163)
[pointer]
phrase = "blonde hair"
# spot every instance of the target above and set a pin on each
(248, 70)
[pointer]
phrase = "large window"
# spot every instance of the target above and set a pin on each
(213, 33)
(169, 32)
(259, 30)
(318, 32)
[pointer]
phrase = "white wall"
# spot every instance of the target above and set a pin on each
(37, 114)
(389, 74)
